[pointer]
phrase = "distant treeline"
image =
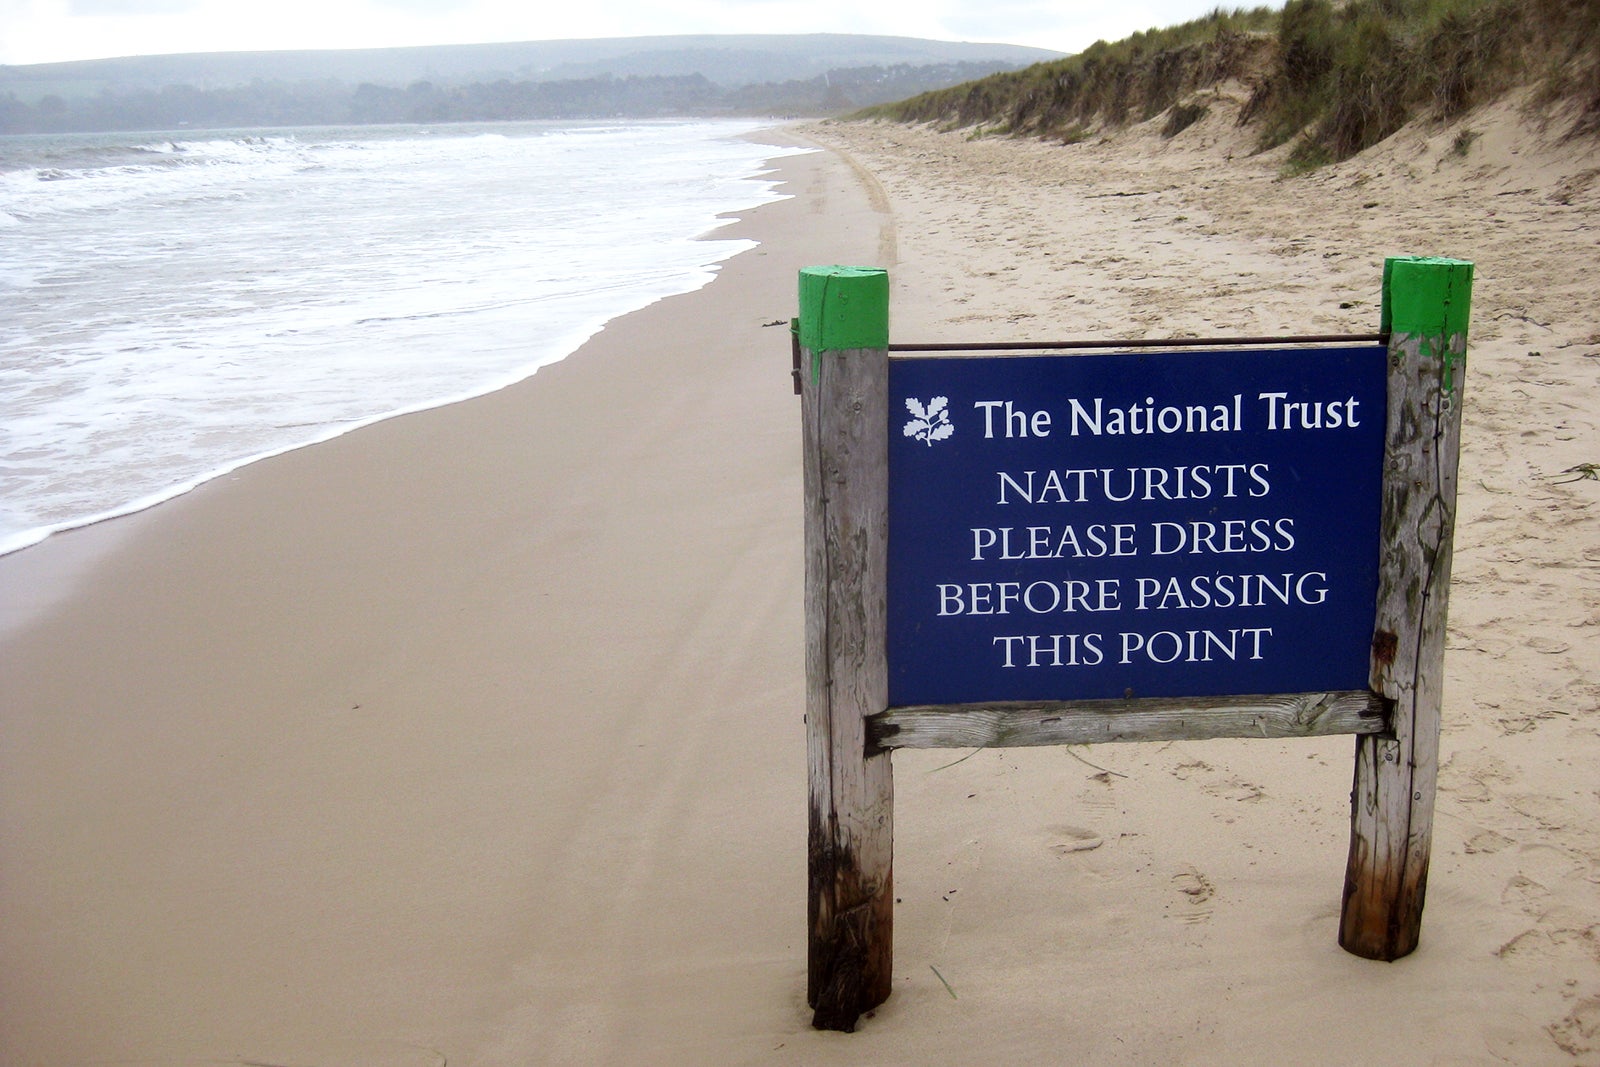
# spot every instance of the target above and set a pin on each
(1332, 76)
(263, 103)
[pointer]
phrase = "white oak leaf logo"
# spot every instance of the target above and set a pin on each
(932, 423)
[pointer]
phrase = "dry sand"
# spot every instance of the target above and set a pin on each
(474, 737)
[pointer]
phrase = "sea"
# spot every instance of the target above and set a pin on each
(176, 305)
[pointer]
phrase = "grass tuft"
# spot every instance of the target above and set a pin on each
(1181, 117)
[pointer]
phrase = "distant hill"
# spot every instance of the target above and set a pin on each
(712, 73)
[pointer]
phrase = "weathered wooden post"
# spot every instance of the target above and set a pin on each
(1425, 310)
(844, 337)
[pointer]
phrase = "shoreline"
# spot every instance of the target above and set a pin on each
(629, 292)
(22, 596)
(37, 535)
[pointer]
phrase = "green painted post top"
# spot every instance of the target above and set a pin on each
(844, 307)
(1426, 295)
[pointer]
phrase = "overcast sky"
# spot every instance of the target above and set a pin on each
(44, 31)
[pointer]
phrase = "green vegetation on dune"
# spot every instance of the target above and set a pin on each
(1131, 80)
(1332, 77)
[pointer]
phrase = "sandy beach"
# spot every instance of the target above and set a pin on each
(475, 737)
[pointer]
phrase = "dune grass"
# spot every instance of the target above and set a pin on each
(1332, 77)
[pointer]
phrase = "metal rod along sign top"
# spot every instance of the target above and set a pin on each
(1174, 342)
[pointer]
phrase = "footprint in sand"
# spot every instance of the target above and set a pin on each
(1197, 890)
(1525, 894)
(1579, 1033)
(1487, 842)
(1068, 839)
(1216, 783)
(1548, 645)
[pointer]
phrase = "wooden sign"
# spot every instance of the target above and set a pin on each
(1071, 549)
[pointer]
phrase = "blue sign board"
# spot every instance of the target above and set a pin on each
(1169, 524)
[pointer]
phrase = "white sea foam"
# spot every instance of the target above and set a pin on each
(179, 306)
